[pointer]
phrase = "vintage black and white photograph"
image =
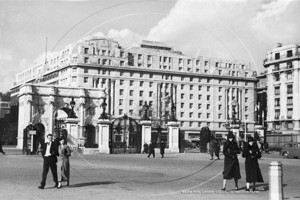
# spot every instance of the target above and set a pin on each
(149, 99)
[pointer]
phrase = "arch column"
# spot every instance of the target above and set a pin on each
(81, 138)
(50, 108)
(25, 112)
(113, 91)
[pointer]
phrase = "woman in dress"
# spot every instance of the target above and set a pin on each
(231, 162)
(252, 154)
(63, 164)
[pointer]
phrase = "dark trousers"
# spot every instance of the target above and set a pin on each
(49, 162)
(217, 153)
(151, 152)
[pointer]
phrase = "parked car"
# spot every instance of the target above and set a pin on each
(291, 150)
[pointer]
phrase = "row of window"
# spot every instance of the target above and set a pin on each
(165, 77)
(165, 59)
(289, 76)
(102, 52)
(289, 114)
(289, 101)
(289, 89)
(289, 53)
(289, 65)
(191, 124)
(191, 105)
(285, 125)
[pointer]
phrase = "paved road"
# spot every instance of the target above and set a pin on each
(134, 176)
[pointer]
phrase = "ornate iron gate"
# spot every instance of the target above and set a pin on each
(126, 136)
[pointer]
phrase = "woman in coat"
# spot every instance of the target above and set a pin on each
(252, 154)
(231, 162)
(63, 164)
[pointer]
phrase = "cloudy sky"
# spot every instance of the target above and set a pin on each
(231, 29)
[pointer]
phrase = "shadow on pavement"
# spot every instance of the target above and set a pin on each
(91, 184)
(263, 186)
(259, 187)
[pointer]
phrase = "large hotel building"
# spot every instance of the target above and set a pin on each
(282, 87)
(202, 89)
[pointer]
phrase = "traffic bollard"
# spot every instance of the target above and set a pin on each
(275, 181)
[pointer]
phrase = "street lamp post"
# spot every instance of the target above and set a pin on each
(233, 124)
(103, 105)
(72, 104)
(173, 112)
(234, 104)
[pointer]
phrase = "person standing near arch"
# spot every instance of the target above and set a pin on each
(49, 153)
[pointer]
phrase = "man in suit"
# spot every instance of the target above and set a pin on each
(162, 148)
(151, 150)
(49, 153)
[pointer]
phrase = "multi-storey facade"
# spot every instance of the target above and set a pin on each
(282, 75)
(4, 108)
(202, 89)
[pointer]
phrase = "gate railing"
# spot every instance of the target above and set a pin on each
(72, 141)
(119, 148)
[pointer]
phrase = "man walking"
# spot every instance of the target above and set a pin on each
(151, 150)
(162, 148)
(49, 153)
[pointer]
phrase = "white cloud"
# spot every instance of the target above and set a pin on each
(125, 37)
(5, 56)
(272, 9)
(23, 64)
(194, 24)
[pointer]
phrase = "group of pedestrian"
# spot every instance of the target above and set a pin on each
(214, 149)
(231, 163)
(56, 157)
(151, 149)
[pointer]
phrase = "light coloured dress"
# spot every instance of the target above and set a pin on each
(63, 164)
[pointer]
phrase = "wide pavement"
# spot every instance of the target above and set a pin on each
(134, 176)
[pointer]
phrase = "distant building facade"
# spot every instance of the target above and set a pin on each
(4, 108)
(201, 89)
(282, 88)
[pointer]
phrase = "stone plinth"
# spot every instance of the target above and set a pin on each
(104, 126)
(146, 131)
(275, 180)
(260, 130)
(72, 128)
(173, 136)
(235, 128)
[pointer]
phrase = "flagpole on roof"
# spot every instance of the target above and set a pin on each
(46, 52)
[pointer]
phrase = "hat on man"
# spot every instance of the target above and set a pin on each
(250, 139)
(230, 135)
